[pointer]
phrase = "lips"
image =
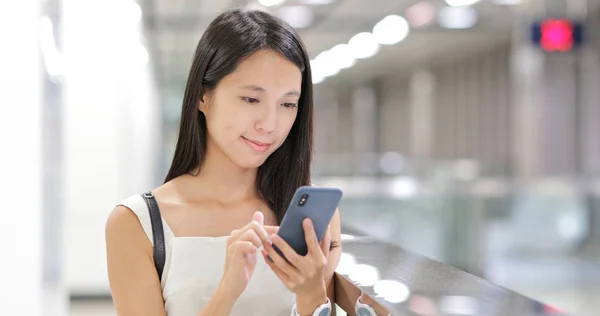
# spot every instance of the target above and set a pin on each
(256, 145)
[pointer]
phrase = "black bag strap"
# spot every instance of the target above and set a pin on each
(157, 232)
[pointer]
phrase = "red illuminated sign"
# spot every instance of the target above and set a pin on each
(552, 310)
(556, 35)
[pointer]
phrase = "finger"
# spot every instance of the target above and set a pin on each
(260, 230)
(244, 247)
(256, 227)
(280, 262)
(271, 229)
(236, 233)
(259, 217)
(282, 275)
(233, 236)
(290, 254)
(311, 237)
(251, 236)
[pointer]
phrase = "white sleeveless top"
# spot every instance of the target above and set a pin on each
(193, 270)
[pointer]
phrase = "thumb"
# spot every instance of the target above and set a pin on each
(259, 217)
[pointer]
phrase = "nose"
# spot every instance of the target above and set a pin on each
(268, 119)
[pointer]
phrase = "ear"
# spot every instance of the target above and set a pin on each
(204, 103)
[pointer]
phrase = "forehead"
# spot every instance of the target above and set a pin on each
(268, 69)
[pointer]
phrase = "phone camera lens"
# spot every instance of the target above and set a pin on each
(303, 199)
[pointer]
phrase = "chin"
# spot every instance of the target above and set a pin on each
(251, 162)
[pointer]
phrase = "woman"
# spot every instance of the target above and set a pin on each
(244, 147)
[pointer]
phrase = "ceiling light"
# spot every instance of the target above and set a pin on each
(316, 79)
(319, 71)
(363, 45)
(271, 3)
(457, 17)
(330, 62)
(507, 2)
(325, 62)
(341, 55)
(391, 30)
(296, 16)
(317, 2)
(461, 3)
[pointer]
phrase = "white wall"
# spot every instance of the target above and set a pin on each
(20, 164)
(111, 128)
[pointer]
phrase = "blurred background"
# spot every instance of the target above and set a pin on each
(467, 131)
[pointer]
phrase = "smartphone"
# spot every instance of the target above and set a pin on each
(318, 204)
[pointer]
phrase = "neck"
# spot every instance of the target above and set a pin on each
(220, 179)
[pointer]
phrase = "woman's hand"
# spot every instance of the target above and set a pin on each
(242, 248)
(302, 275)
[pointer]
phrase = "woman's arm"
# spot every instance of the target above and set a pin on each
(132, 275)
(134, 283)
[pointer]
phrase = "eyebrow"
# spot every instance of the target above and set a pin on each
(261, 89)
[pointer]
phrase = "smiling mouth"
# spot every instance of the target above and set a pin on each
(255, 145)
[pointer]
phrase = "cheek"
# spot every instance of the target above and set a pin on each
(231, 126)
(224, 124)
(287, 121)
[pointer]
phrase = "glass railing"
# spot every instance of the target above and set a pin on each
(541, 240)
(396, 281)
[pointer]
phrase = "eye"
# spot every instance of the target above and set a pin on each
(250, 100)
(290, 105)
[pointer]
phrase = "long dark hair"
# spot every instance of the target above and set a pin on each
(230, 38)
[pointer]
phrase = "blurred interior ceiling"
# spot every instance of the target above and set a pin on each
(173, 28)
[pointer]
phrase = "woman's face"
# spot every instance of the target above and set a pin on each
(251, 111)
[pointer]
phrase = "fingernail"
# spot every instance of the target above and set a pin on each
(308, 222)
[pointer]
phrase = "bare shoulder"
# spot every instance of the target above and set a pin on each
(124, 227)
(121, 216)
